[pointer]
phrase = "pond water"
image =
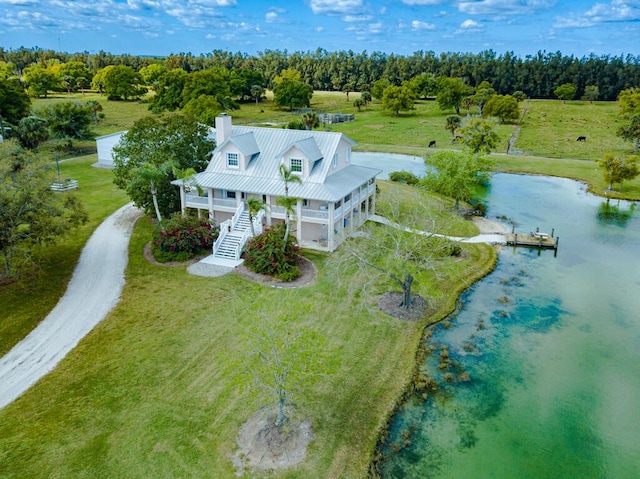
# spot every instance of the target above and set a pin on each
(388, 162)
(544, 380)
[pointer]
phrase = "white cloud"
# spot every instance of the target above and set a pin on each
(469, 24)
(418, 25)
(357, 18)
(510, 7)
(271, 17)
(422, 2)
(375, 27)
(615, 11)
(335, 7)
(19, 3)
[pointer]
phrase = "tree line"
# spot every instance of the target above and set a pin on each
(536, 75)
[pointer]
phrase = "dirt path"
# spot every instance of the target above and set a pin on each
(93, 291)
(491, 232)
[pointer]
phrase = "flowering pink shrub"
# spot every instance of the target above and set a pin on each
(180, 239)
(264, 255)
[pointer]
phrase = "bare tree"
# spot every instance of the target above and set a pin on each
(402, 250)
(289, 361)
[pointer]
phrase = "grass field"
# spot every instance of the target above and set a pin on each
(161, 387)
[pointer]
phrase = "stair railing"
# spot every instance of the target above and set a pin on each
(225, 228)
(240, 246)
(236, 215)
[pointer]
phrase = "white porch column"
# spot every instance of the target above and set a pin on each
(183, 201)
(210, 201)
(366, 203)
(268, 208)
(351, 212)
(331, 237)
(373, 198)
(299, 221)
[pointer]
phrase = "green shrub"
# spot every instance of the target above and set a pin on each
(180, 239)
(264, 255)
(404, 177)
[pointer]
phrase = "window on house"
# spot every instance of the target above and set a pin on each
(349, 155)
(335, 160)
(233, 160)
(295, 165)
(231, 195)
(347, 198)
(305, 203)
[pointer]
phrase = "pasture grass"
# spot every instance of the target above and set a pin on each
(161, 387)
(26, 303)
(551, 128)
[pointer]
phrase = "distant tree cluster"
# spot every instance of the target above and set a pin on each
(538, 76)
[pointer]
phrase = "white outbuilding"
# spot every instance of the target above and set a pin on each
(105, 146)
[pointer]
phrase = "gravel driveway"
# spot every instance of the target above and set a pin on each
(93, 291)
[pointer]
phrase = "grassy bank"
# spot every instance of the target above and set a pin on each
(161, 387)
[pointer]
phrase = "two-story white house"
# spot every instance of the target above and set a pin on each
(334, 196)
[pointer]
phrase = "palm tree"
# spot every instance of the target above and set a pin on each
(366, 96)
(149, 175)
(453, 123)
(310, 121)
(253, 208)
(287, 202)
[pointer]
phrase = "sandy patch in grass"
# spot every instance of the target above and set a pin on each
(375, 127)
(263, 447)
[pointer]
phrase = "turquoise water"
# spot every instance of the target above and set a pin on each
(389, 162)
(545, 352)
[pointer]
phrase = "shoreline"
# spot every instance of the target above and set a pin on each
(417, 382)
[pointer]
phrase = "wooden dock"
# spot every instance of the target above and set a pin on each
(535, 239)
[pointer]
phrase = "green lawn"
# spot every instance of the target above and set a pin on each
(25, 304)
(161, 387)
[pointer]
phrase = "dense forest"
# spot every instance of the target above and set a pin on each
(536, 75)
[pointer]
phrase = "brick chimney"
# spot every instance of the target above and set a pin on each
(223, 128)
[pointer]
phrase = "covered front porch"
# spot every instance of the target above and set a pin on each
(319, 225)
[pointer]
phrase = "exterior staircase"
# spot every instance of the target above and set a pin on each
(234, 234)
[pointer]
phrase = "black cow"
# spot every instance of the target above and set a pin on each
(432, 144)
(582, 138)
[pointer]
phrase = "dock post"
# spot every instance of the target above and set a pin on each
(552, 230)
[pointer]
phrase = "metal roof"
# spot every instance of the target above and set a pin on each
(262, 177)
(308, 147)
(336, 186)
(246, 143)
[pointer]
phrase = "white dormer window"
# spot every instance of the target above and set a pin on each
(349, 155)
(295, 165)
(233, 160)
(335, 160)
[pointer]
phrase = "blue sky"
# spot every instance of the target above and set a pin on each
(161, 27)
